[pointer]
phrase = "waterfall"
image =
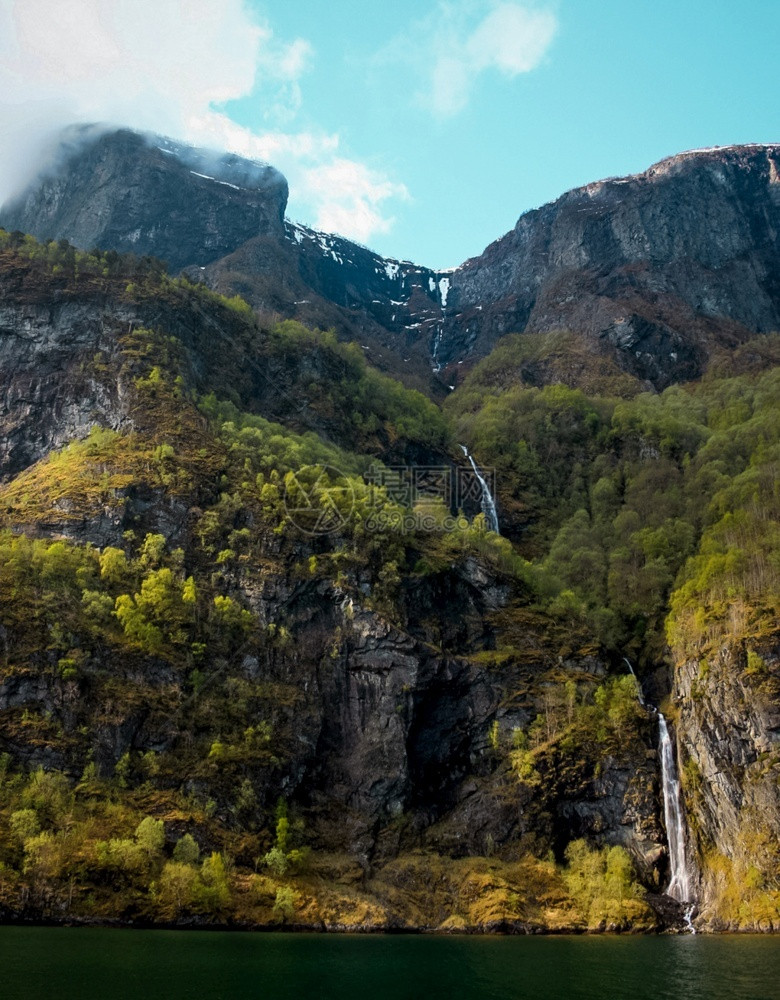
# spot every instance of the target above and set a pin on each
(679, 887)
(488, 503)
(436, 364)
(639, 691)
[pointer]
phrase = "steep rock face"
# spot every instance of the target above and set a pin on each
(392, 730)
(50, 390)
(220, 218)
(382, 741)
(655, 270)
(393, 309)
(404, 298)
(60, 364)
(728, 732)
(60, 377)
(119, 190)
(656, 267)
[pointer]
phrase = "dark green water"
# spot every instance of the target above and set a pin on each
(61, 964)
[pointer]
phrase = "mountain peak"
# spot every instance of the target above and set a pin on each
(654, 269)
(137, 192)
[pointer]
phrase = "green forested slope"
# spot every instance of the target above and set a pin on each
(632, 507)
(170, 635)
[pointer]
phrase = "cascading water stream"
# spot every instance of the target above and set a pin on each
(640, 692)
(679, 887)
(488, 503)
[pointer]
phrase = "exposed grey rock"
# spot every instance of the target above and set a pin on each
(655, 269)
(392, 736)
(47, 398)
(658, 266)
(120, 190)
(728, 728)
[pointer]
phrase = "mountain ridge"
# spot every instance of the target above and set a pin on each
(626, 263)
(444, 712)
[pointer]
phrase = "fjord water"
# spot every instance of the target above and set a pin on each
(92, 964)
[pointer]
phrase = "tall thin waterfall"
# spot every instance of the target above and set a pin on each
(639, 691)
(488, 503)
(680, 886)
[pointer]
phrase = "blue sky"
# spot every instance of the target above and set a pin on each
(621, 84)
(422, 129)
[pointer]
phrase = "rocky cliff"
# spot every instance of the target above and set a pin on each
(120, 190)
(657, 268)
(728, 708)
(221, 217)
(655, 271)
(355, 673)
(402, 720)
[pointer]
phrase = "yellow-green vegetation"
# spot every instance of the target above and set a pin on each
(602, 886)
(283, 857)
(93, 850)
(74, 482)
(582, 721)
(166, 447)
(86, 850)
(148, 674)
(556, 357)
(637, 507)
(74, 271)
(363, 404)
(68, 601)
(745, 889)
(263, 446)
(595, 892)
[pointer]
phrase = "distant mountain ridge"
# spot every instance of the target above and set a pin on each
(658, 267)
(124, 191)
(655, 270)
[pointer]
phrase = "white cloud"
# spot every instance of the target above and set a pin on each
(157, 61)
(335, 194)
(462, 40)
(169, 66)
(512, 39)
(349, 195)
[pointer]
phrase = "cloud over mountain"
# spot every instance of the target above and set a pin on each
(172, 66)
